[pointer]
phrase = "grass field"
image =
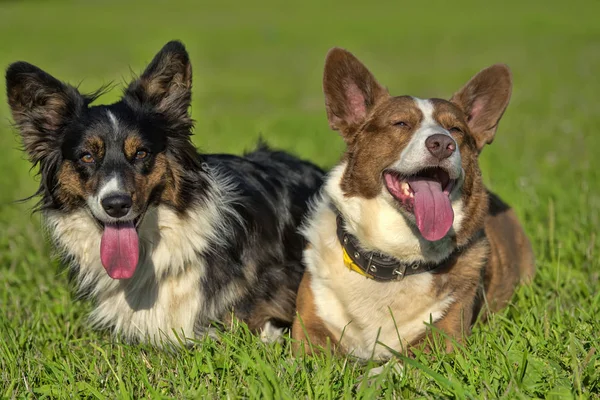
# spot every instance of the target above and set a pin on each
(257, 71)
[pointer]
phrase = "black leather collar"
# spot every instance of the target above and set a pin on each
(377, 266)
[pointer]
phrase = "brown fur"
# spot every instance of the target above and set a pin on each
(166, 84)
(131, 146)
(492, 252)
(72, 189)
(41, 105)
(170, 193)
(376, 146)
(145, 184)
(484, 99)
(511, 259)
(309, 324)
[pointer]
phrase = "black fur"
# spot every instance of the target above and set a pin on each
(275, 188)
(266, 192)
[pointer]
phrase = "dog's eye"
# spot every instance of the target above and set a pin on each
(141, 154)
(455, 129)
(87, 158)
(401, 124)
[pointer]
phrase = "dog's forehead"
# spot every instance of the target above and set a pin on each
(398, 106)
(107, 126)
(446, 108)
(425, 111)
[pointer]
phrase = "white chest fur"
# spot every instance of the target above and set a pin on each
(360, 312)
(163, 298)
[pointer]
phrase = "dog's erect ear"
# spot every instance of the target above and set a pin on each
(484, 99)
(41, 106)
(350, 91)
(166, 84)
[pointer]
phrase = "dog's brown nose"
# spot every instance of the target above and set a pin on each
(440, 146)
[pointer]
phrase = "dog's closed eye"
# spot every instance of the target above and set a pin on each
(401, 124)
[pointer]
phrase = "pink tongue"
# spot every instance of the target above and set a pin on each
(433, 211)
(119, 250)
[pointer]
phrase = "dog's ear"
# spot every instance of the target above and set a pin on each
(484, 99)
(166, 84)
(41, 107)
(350, 91)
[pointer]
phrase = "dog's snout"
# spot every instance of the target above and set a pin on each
(117, 205)
(440, 146)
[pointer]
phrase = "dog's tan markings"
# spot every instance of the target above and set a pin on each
(95, 145)
(308, 325)
(71, 188)
(163, 176)
(146, 184)
(172, 181)
(167, 83)
(132, 144)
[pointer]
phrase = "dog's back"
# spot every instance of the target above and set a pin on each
(511, 258)
(262, 243)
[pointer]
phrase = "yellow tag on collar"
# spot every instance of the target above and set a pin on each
(351, 265)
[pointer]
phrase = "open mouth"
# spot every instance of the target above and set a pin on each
(136, 221)
(425, 194)
(119, 247)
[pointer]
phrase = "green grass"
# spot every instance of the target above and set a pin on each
(257, 71)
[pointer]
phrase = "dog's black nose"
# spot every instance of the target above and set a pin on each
(117, 205)
(440, 146)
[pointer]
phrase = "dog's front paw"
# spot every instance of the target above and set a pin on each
(271, 334)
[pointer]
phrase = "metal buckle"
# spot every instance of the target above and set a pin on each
(399, 272)
(370, 267)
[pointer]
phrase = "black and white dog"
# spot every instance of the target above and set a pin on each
(165, 240)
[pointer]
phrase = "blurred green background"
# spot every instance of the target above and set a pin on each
(257, 71)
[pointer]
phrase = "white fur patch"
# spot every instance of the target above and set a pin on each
(413, 156)
(112, 186)
(271, 334)
(113, 120)
(380, 226)
(355, 309)
(164, 297)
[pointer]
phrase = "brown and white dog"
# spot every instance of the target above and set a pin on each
(405, 233)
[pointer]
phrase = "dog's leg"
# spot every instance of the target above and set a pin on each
(455, 325)
(309, 330)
